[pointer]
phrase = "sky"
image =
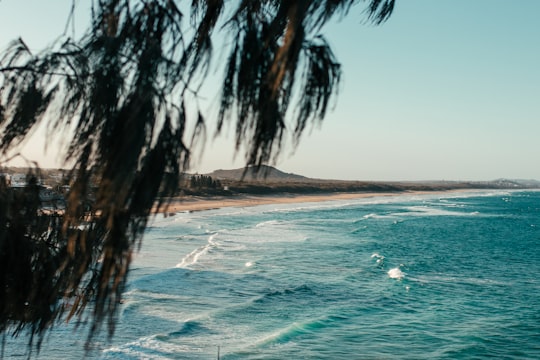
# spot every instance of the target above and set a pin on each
(444, 90)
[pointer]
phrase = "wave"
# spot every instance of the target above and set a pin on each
(299, 290)
(268, 222)
(188, 327)
(423, 210)
(150, 295)
(193, 257)
(374, 216)
(150, 347)
(334, 204)
(297, 329)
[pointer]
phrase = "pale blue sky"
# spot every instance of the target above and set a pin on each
(446, 89)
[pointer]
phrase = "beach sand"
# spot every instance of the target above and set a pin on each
(200, 203)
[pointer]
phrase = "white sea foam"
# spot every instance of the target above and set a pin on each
(250, 264)
(376, 216)
(164, 313)
(379, 259)
(147, 295)
(193, 257)
(267, 223)
(333, 204)
(396, 273)
(147, 348)
(433, 211)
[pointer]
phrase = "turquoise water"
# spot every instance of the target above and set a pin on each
(452, 276)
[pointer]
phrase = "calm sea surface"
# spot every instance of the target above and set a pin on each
(452, 276)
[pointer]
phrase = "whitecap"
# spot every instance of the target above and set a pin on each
(433, 211)
(269, 222)
(379, 258)
(193, 257)
(396, 273)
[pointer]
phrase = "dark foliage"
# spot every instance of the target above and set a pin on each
(119, 95)
(204, 182)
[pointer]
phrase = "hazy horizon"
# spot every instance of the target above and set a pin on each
(328, 179)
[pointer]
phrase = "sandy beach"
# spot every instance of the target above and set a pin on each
(200, 203)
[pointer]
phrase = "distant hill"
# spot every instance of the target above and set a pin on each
(263, 173)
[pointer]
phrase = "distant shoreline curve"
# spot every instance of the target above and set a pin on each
(201, 203)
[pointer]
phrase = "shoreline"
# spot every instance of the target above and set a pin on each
(202, 203)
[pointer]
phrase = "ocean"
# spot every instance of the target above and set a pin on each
(432, 276)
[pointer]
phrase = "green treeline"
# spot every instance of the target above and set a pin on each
(204, 182)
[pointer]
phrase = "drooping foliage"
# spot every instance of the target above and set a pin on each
(121, 95)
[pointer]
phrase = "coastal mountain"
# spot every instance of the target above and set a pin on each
(269, 180)
(252, 173)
